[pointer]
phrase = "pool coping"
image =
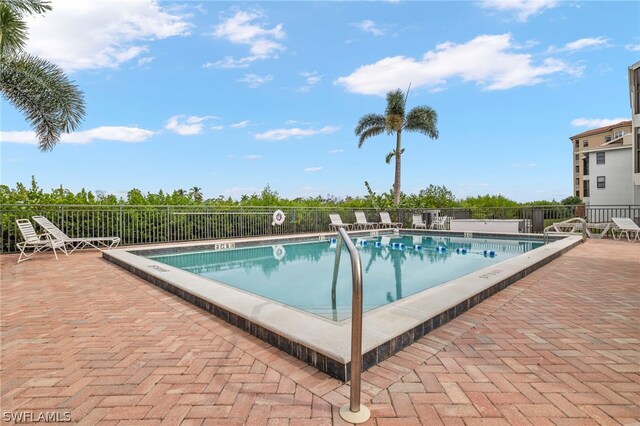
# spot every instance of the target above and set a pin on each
(323, 343)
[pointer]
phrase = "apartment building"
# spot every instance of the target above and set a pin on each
(602, 165)
(634, 96)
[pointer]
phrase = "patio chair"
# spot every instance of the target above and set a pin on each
(624, 225)
(76, 243)
(439, 223)
(385, 221)
(36, 242)
(336, 222)
(417, 221)
(361, 222)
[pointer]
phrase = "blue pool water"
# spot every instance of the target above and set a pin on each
(300, 274)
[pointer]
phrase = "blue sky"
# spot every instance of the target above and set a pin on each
(232, 96)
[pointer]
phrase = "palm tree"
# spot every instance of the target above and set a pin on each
(196, 193)
(421, 119)
(36, 87)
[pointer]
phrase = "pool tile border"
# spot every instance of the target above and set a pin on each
(340, 369)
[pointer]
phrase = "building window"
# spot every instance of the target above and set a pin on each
(618, 134)
(601, 182)
(577, 182)
(577, 169)
(577, 157)
(638, 146)
(607, 139)
(577, 193)
(636, 77)
(600, 158)
(585, 142)
(585, 188)
(585, 164)
(577, 143)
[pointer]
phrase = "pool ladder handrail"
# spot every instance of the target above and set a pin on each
(353, 412)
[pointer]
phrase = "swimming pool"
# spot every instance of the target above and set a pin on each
(394, 266)
(280, 288)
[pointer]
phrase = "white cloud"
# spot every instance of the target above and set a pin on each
(252, 157)
(368, 26)
(145, 61)
(184, 125)
(633, 47)
(581, 44)
(241, 28)
(105, 133)
(312, 169)
(336, 151)
(240, 124)
(522, 9)
(487, 60)
(595, 122)
(254, 80)
(238, 191)
(311, 79)
(298, 122)
(99, 33)
(217, 128)
(282, 134)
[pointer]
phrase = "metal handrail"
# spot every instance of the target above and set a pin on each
(353, 412)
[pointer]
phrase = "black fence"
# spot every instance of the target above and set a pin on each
(162, 224)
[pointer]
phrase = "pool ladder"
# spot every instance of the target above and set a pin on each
(353, 412)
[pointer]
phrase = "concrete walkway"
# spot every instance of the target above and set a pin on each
(88, 341)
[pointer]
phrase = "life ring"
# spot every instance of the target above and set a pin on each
(278, 217)
(279, 252)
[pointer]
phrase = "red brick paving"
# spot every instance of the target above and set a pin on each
(559, 347)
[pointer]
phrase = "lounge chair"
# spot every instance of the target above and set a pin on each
(385, 221)
(624, 225)
(36, 242)
(336, 222)
(76, 243)
(361, 222)
(418, 222)
(439, 223)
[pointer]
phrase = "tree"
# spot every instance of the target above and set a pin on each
(421, 119)
(39, 89)
(196, 194)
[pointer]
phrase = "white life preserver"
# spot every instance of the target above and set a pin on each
(278, 217)
(279, 252)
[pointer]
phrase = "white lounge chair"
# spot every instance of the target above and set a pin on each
(76, 243)
(624, 225)
(439, 223)
(417, 221)
(36, 242)
(361, 222)
(336, 222)
(385, 221)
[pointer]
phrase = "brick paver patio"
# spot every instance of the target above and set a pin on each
(82, 336)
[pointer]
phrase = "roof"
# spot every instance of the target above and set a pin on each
(602, 129)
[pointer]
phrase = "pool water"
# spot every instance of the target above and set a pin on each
(301, 274)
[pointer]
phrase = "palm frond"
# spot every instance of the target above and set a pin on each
(367, 121)
(29, 7)
(368, 126)
(13, 32)
(392, 154)
(369, 133)
(423, 119)
(395, 103)
(51, 103)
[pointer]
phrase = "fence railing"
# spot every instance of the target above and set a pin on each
(161, 224)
